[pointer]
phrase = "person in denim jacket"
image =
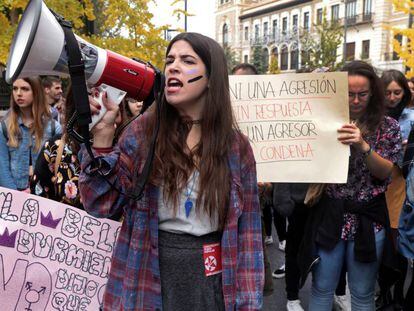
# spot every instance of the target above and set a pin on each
(397, 101)
(24, 130)
(406, 222)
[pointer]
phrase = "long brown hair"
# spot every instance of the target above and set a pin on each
(374, 113)
(172, 164)
(68, 111)
(398, 77)
(40, 114)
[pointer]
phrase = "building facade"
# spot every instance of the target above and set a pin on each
(277, 27)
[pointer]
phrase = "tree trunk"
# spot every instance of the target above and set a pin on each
(14, 16)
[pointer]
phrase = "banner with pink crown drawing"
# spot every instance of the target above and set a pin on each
(52, 256)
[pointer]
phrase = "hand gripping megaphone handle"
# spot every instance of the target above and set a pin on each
(113, 94)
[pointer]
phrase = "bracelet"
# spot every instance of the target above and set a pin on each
(367, 153)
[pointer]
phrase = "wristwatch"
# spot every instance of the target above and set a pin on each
(367, 153)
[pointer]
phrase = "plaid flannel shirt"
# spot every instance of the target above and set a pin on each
(134, 280)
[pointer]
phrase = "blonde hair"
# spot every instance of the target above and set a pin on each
(40, 113)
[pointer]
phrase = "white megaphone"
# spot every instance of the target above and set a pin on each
(38, 48)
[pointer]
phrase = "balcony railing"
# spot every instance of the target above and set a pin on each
(359, 19)
(290, 35)
(393, 56)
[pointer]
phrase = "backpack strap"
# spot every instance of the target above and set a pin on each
(4, 130)
(53, 127)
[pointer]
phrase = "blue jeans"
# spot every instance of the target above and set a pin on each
(361, 276)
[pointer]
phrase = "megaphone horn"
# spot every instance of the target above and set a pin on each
(38, 48)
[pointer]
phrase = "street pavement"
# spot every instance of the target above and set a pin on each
(277, 301)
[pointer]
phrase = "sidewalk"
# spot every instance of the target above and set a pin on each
(277, 301)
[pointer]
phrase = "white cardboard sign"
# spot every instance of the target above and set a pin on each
(291, 121)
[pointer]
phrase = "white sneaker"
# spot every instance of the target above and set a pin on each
(268, 240)
(341, 303)
(279, 272)
(294, 305)
(282, 245)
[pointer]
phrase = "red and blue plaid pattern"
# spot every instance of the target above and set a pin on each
(134, 281)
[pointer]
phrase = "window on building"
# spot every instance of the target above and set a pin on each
(350, 51)
(225, 35)
(365, 49)
(284, 58)
(305, 58)
(246, 33)
(350, 9)
(294, 58)
(319, 16)
(246, 58)
(275, 55)
(367, 7)
(265, 29)
(284, 25)
(256, 32)
(295, 22)
(335, 12)
(395, 54)
(306, 20)
(367, 10)
(274, 28)
(265, 58)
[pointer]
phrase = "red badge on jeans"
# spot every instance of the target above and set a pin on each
(212, 259)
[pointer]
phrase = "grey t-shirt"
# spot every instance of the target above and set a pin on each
(197, 223)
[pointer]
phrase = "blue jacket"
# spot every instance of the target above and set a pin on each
(406, 224)
(14, 161)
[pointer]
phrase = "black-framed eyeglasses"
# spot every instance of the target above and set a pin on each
(361, 95)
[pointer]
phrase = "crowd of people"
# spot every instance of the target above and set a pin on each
(202, 200)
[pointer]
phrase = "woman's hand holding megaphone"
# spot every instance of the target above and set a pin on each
(103, 132)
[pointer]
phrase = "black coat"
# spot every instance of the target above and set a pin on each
(324, 229)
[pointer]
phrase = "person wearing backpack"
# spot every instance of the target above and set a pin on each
(23, 131)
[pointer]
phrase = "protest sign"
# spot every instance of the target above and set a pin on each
(291, 121)
(52, 256)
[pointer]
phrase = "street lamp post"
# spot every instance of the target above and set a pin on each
(185, 15)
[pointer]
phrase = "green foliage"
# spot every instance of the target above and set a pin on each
(321, 48)
(274, 66)
(405, 50)
(124, 26)
(230, 57)
(258, 60)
